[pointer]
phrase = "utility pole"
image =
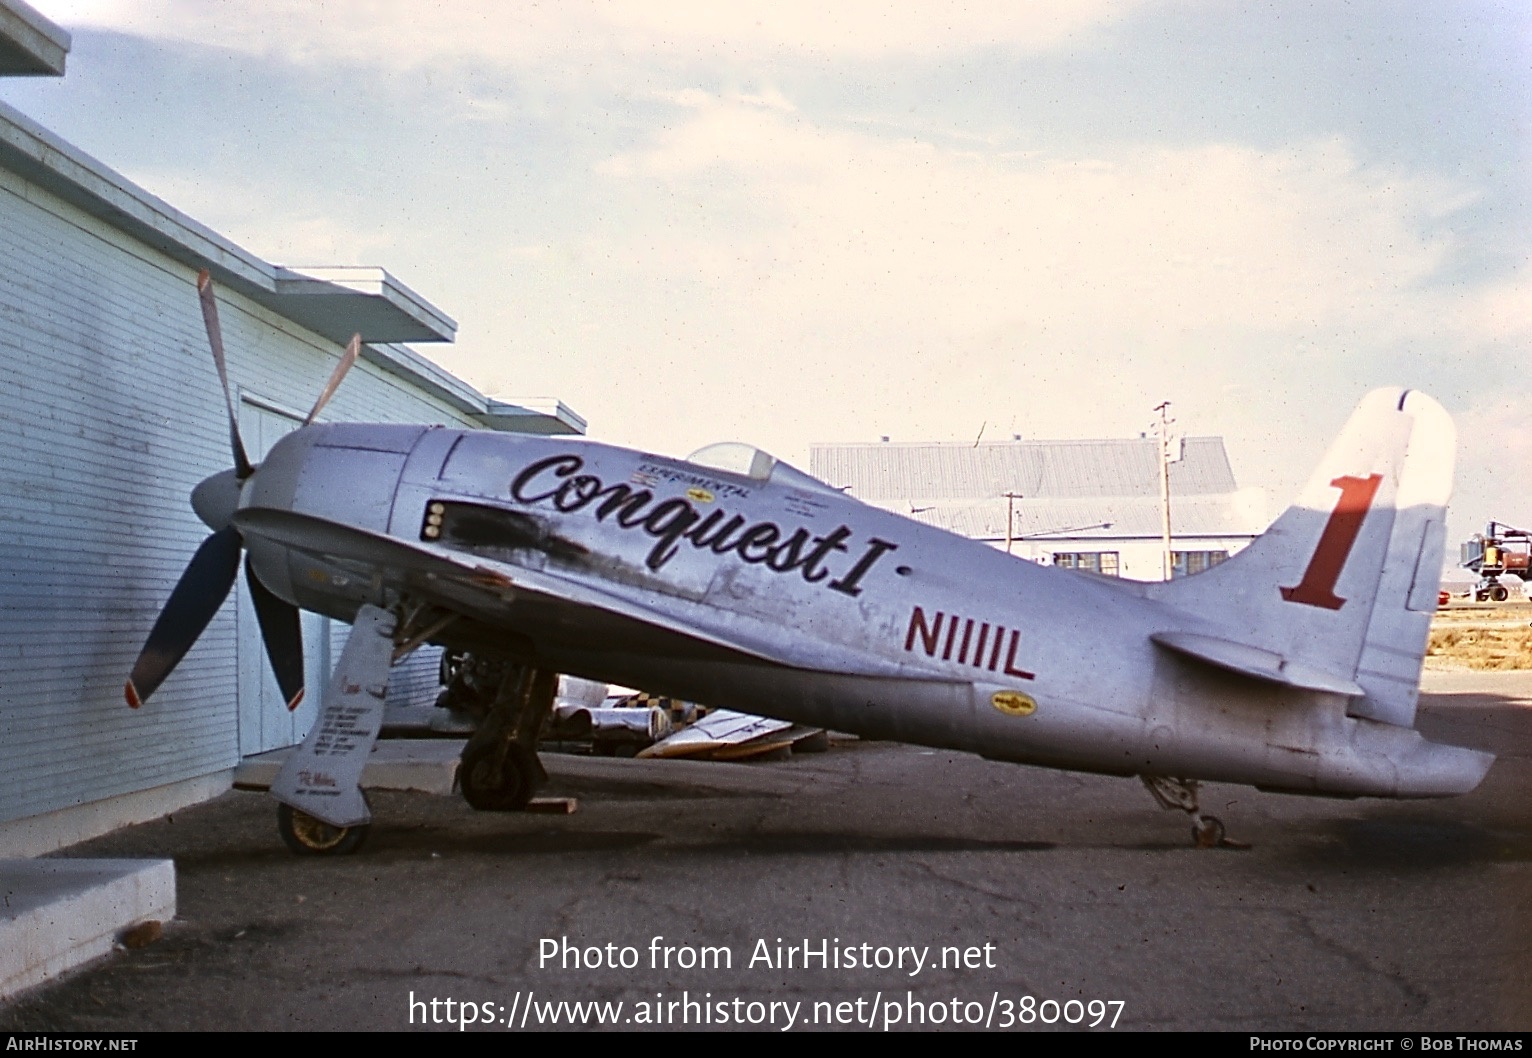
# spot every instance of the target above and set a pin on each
(1010, 518)
(1165, 422)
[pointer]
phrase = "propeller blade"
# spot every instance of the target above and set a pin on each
(353, 347)
(196, 598)
(242, 467)
(283, 635)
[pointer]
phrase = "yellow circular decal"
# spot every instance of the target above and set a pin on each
(1013, 703)
(700, 495)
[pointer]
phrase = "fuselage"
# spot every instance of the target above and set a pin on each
(777, 594)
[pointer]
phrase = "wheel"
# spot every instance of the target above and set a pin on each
(307, 836)
(1499, 593)
(1208, 832)
(497, 781)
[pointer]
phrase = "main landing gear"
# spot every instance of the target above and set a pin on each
(499, 769)
(1207, 831)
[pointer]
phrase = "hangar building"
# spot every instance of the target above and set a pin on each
(1091, 505)
(110, 413)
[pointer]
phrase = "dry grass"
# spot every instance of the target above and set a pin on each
(1484, 637)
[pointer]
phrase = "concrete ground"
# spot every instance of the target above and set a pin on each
(1044, 886)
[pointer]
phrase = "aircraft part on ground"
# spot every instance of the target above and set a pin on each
(720, 732)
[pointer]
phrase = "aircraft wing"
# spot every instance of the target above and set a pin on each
(536, 603)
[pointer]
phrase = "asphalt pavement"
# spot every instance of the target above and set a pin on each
(875, 885)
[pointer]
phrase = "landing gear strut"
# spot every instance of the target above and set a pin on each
(1207, 831)
(499, 770)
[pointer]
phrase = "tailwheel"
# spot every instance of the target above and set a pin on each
(1208, 832)
(307, 836)
(1181, 795)
(498, 778)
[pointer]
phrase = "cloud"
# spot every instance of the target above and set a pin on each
(406, 33)
(1496, 434)
(1501, 311)
(1141, 240)
(792, 263)
(917, 289)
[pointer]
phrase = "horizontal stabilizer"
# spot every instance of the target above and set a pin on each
(1253, 661)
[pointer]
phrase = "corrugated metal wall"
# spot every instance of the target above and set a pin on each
(110, 412)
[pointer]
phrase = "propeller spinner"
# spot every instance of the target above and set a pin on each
(210, 574)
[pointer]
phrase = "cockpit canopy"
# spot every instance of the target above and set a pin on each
(735, 457)
(748, 461)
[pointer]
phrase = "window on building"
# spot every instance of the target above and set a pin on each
(1102, 562)
(1185, 563)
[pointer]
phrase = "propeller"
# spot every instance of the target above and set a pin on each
(242, 467)
(210, 574)
(353, 348)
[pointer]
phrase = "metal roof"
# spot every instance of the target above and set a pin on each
(946, 472)
(1240, 513)
(1063, 490)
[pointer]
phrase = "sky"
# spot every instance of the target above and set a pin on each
(786, 222)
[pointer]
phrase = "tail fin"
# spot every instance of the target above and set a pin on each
(1342, 586)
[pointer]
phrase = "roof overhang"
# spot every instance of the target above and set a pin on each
(30, 45)
(544, 415)
(338, 301)
(540, 416)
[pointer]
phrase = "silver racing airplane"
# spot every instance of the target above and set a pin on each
(731, 578)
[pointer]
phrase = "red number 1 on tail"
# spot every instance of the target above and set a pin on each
(1317, 588)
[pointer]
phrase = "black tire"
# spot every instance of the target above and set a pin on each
(496, 782)
(307, 836)
(1499, 593)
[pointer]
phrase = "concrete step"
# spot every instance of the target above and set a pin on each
(59, 913)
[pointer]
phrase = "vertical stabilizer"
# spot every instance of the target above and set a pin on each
(1344, 582)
